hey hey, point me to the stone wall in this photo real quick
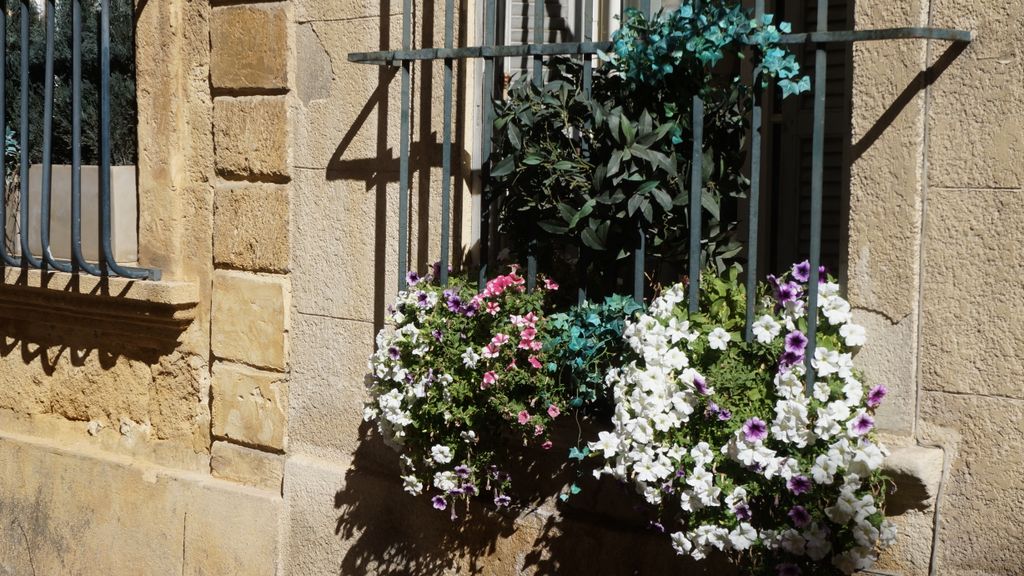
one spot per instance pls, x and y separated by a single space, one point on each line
935 270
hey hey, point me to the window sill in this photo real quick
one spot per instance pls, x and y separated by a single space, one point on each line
147 314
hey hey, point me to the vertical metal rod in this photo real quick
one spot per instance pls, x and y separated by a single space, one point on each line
485 141
639 259
588 82
26 253
645 7
78 259
46 185
109 264
696 211
755 191
538 80
403 150
817 169
446 145
6 258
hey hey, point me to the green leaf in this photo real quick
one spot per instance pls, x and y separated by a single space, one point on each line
663 199
552 227
563 165
591 239
583 212
504 167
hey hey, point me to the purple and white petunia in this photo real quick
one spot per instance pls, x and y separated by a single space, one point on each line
755 429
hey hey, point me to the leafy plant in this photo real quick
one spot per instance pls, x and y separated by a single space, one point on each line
726 446
585 342
595 167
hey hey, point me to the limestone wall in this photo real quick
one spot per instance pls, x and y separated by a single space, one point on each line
935 268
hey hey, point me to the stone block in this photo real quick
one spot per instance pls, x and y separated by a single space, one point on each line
75 511
980 528
973 329
917 472
250 227
250 318
247 466
250 136
890 358
250 406
249 47
327 388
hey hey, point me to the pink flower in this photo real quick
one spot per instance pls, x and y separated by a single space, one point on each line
530 318
553 411
517 320
525 344
546 445
536 346
499 339
538 430
490 378
493 308
550 284
524 417
490 351
512 364
534 362
528 333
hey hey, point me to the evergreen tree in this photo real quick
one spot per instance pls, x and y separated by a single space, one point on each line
122 80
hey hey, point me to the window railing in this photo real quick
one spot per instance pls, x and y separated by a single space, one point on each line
491 54
104 263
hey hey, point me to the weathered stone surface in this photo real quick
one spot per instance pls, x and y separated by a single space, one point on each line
81 512
247 466
890 357
251 137
250 47
250 227
250 318
973 338
917 472
980 531
976 130
250 406
328 388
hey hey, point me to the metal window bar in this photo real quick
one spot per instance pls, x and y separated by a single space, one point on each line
586 49
107 265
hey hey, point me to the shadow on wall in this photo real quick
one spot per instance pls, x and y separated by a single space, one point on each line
600 531
46 322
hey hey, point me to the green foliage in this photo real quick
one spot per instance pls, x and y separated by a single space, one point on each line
592 167
122 81
585 342
11 152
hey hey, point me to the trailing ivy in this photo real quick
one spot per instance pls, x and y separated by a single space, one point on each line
591 168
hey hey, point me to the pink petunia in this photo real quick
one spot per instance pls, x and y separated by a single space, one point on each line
490 378
553 411
536 345
493 308
550 284
534 362
490 351
499 339
524 417
528 333
538 430
546 445
530 318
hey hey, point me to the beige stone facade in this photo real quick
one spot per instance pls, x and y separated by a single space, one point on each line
211 422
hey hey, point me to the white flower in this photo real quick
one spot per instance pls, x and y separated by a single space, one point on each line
681 543
441 454
412 485
855 334
821 391
836 309
718 339
793 542
886 534
470 358
446 481
743 536
766 329
607 443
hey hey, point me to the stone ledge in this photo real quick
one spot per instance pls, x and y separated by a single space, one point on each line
917 473
145 313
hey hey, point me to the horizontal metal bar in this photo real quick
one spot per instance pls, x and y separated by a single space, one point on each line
845 36
389 57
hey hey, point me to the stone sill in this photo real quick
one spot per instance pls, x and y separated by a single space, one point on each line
150 314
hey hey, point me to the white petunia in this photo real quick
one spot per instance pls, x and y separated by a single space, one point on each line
854 334
607 443
412 485
718 339
766 329
470 358
743 536
441 454
681 544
